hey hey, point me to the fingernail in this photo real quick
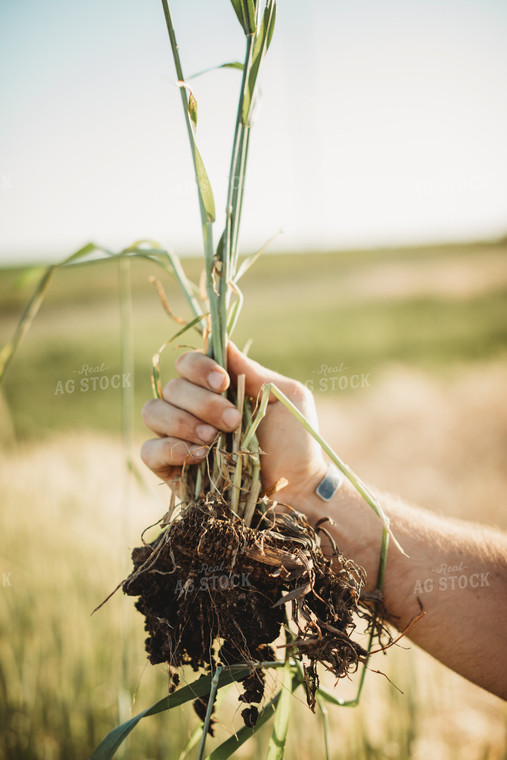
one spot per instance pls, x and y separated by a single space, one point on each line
206 433
198 452
231 418
217 380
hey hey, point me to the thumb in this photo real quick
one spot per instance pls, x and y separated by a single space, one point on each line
256 375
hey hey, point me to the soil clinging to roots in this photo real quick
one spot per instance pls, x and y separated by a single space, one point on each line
214 591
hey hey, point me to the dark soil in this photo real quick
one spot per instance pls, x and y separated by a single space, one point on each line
214 591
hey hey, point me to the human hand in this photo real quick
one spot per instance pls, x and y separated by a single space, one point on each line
192 411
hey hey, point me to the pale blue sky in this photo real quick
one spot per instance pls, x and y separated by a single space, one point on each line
380 123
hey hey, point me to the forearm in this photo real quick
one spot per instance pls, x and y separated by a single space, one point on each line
458 572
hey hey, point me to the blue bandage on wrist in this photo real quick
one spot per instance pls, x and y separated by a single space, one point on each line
330 483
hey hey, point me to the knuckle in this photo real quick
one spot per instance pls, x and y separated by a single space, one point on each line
145 453
185 360
175 452
180 362
213 407
170 388
299 391
147 410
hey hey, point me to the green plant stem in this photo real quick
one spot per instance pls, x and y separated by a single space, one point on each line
127 358
26 320
245 143
376 609
239 157
183 95
276 747
184 283
209 710
217 345
233 211
325 721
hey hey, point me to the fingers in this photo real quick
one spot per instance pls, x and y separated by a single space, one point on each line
199 369
167 420
188 417
192 411
205 372
165 456
205 405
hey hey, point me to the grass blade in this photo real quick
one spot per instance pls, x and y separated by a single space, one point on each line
238 8
26 320
204 185
199 688
229 65
83 257
260 48
245 11
84 253
276 748
155 372
229 747
325 721
249 260
194 738
209 710
206 201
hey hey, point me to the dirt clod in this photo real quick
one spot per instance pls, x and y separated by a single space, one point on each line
214 591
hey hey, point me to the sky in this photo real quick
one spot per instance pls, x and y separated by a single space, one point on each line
379 124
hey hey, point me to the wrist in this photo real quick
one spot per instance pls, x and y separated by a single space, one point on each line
300 495
354 527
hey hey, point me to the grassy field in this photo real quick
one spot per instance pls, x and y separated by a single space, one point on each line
426 331
427 308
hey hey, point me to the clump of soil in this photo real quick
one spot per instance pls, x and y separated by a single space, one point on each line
213 591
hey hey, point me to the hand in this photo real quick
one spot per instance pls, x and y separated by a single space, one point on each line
193 410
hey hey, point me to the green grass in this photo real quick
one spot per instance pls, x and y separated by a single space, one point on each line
299 317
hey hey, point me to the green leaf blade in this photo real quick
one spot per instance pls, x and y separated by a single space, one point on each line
192 109
262 42
229 747
229 65
198 688
276 748
238 9
204 184
245 11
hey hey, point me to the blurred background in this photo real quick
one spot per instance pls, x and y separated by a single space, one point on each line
379 150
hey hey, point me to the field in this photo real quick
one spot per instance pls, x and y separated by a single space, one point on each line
406 352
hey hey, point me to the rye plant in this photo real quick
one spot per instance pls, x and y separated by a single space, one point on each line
227 486
219 509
